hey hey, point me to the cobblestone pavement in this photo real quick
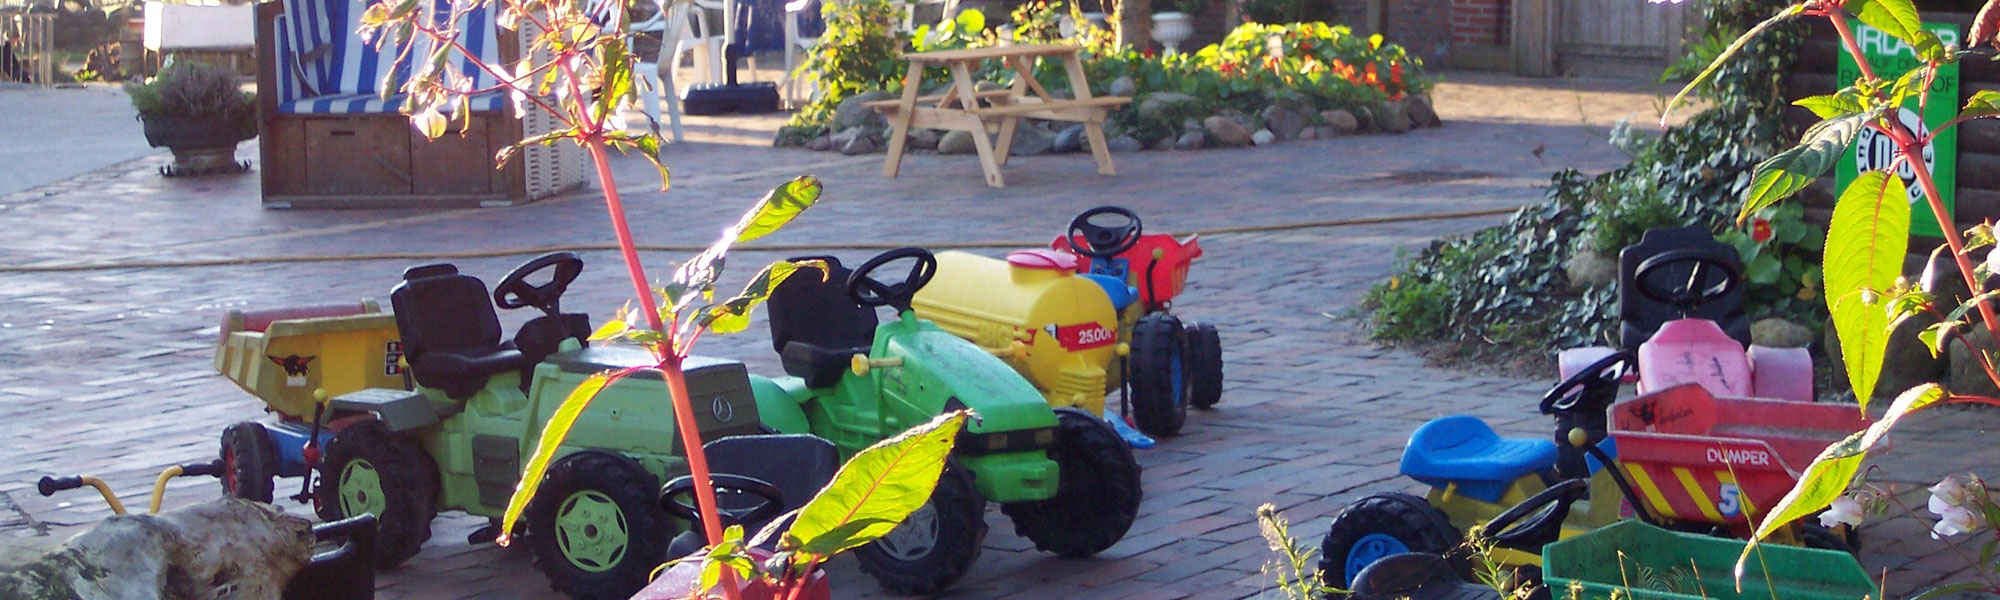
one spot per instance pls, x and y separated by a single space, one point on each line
108 371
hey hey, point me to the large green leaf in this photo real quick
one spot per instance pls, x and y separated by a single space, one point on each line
1785 174
1898 18
545 449
1983 103
1830 473
1827 106
1728 53
875 490
1865 243
734 315
777 208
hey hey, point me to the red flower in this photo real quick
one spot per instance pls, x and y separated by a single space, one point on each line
1760 230
1396 73
1306 46
1148 53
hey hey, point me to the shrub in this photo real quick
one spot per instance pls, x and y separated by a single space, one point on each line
192 90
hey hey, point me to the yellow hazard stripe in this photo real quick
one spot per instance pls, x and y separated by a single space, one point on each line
1651 491
1748 510
1701 499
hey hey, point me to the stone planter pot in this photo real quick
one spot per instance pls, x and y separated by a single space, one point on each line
1172 28
206 145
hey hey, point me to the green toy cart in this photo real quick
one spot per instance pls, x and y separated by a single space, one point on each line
1644 562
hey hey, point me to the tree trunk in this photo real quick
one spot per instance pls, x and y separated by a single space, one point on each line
194 552
1135 24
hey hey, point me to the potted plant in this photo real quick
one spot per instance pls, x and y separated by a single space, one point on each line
1173 21
199 112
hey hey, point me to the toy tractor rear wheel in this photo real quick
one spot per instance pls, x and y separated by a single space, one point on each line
1159 375
595 527
1098 494
936 545
1204 365
368 469
249 461
1380 526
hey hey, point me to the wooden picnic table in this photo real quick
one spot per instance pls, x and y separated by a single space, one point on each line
962 107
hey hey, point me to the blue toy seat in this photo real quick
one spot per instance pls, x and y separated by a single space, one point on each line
1121 295
1462 449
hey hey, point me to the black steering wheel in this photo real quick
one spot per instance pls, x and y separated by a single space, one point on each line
1607 370
514 291
1101 241
1549 508
1694 291
677 498
871 292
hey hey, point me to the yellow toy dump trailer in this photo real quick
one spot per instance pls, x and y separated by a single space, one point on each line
1035 312
283 356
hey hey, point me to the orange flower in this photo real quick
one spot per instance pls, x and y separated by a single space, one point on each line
1306 46
1396 73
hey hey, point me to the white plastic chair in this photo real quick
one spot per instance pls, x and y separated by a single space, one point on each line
675 40
708 55
796 48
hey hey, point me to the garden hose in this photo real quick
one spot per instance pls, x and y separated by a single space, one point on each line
257 260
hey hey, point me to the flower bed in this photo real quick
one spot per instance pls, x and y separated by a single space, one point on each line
1261 84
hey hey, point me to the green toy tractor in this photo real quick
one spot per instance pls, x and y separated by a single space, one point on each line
1064 477
479 404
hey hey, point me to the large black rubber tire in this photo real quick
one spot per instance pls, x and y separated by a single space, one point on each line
1204 365
249 461
600 477
409 490
1814 535
1414 523
960 516
1160 403
1096 498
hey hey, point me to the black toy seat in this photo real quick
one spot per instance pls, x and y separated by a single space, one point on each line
816 327
798 465
451 335
1640 316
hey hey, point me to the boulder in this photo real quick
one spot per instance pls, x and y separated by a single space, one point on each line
1123 86
1157 104
227 548
926 139
1780 333
1422 114
1166 142
820 144
1341 121
857 140
852 113
1393 117
1309 133
1070 139
1029 141
956 142
1906 361
1226 132
1190 125
1124 143
1190 140
1263 136
1284 123
1327 132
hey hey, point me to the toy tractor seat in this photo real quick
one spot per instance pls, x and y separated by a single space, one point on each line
794 467
1121 295
1462 449
451 334
816 328
1641 316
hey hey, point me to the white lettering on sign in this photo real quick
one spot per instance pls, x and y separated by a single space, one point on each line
1875 41
1874 151
1735 456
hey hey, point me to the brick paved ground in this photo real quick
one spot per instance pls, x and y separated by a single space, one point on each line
108 371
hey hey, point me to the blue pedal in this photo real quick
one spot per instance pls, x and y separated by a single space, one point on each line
1132 436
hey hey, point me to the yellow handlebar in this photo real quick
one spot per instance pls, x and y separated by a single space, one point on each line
105 491
160 488
861 364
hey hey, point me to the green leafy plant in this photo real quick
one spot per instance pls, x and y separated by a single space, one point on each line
1625 210
873 492
1187 7
1289 11
861 50
1407 312
192 90
1694 57
1294 570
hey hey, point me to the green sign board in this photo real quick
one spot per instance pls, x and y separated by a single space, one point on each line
1891 58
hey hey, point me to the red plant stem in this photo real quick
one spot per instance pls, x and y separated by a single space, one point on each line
1839 20
676 380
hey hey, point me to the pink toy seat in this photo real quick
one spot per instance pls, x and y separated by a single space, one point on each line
1042 260
1694 351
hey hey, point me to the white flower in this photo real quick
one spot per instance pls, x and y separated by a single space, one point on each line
1947 494
1993 262
1954 521
1844 511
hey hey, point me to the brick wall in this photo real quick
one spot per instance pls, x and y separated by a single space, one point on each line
1424 27
1479 21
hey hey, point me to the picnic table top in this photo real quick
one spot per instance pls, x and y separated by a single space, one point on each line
1022 50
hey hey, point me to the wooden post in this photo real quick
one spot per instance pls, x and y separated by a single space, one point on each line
1135 23
1534 37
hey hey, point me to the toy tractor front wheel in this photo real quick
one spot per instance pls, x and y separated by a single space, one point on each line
368 469
1204 365
1159 377
249 461
935 545
1096 498
1381 526
595 528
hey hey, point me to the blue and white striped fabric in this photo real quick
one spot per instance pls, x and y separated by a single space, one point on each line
348 76
287 77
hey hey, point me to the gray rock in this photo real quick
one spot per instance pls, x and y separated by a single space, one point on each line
1240 118
1263 136
1191 140
1906 361
1124 143
1588 269
852 113
1226 132
1309 133
1062 94
1284 123
1070 139
1341 121
1190 125
858 140
987 86
1164 143
926 139
1421 113
1964 374
955 142
1327 132
1780 333
1157 103
1123 86
1393 117
226 548
1029 141
820 144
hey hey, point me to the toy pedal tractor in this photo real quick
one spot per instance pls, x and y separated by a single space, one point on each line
1143 295
1063 476
479 403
